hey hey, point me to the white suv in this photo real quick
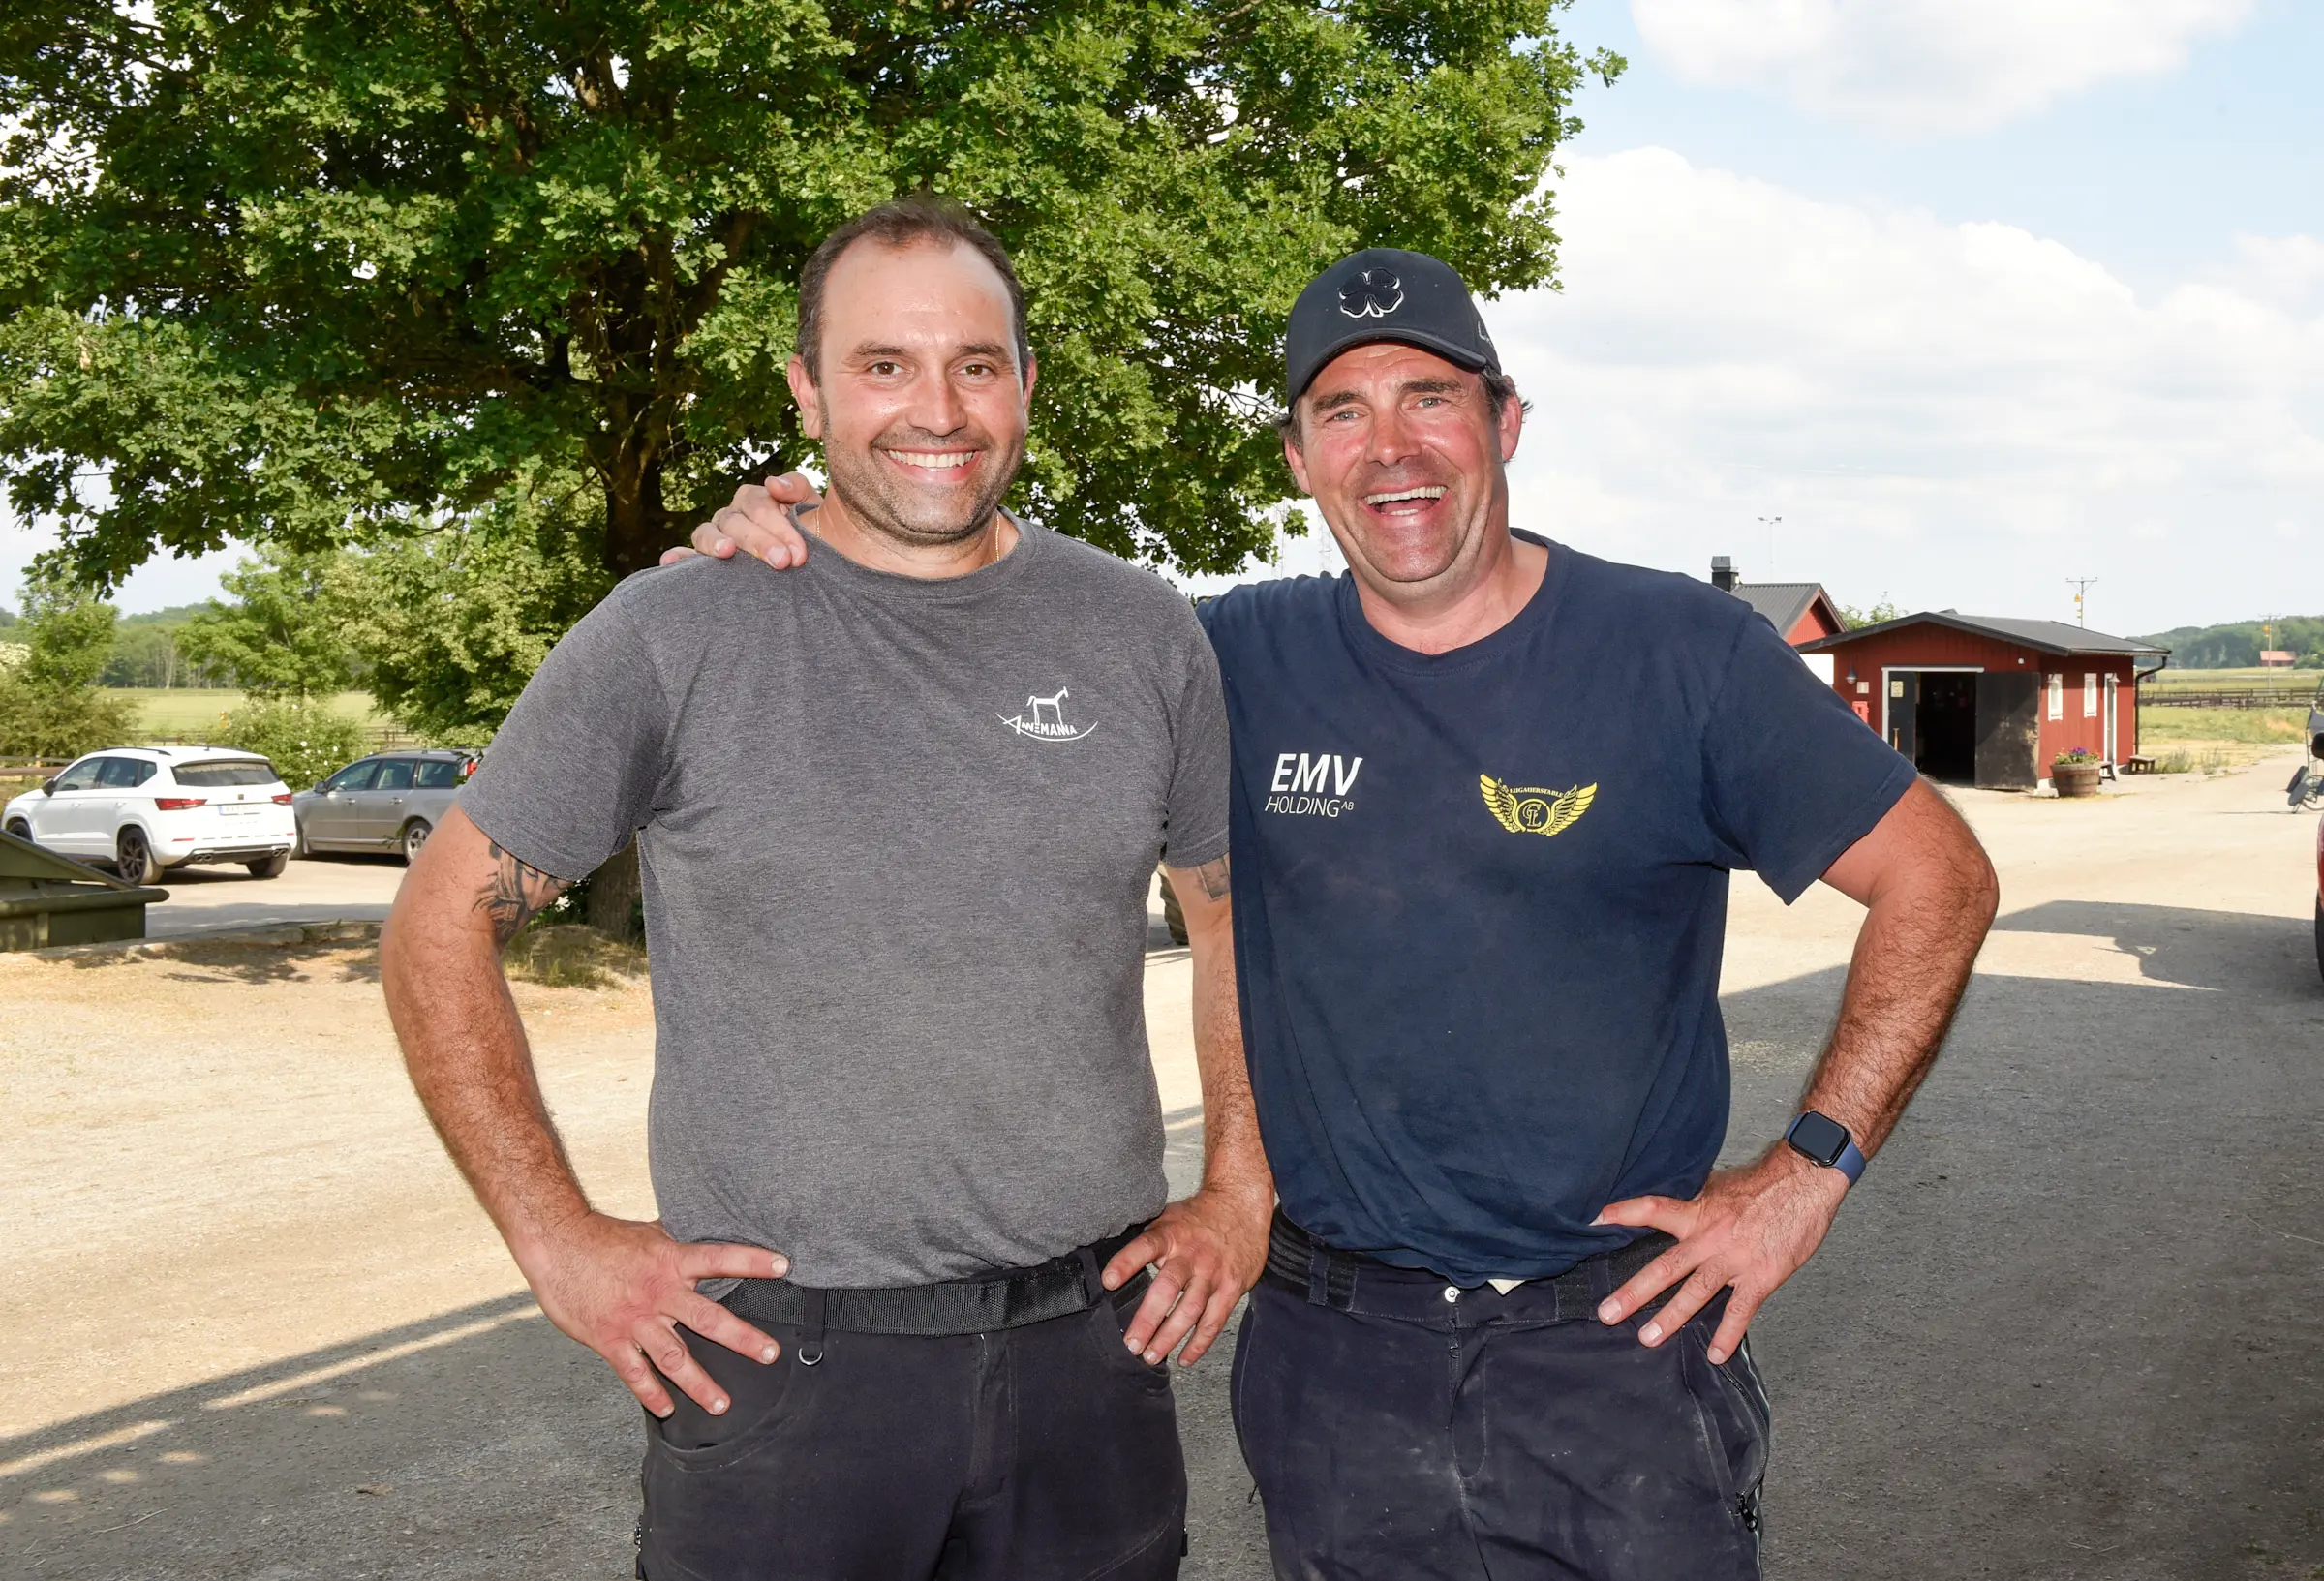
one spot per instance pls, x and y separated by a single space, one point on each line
143 808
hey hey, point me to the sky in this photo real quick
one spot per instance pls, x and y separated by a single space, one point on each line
1974 295
1941 302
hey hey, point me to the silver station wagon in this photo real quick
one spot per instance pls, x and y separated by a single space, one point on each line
389 802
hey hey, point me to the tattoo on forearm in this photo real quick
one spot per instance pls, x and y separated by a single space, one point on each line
514 894
1214 874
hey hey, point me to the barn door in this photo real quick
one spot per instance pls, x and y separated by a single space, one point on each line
1904 710
2006 729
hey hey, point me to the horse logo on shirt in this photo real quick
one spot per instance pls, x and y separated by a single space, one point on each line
1044 719
1535 809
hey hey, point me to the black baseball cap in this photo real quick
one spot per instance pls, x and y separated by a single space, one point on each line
1384 293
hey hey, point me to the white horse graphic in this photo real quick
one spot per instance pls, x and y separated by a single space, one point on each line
1055 705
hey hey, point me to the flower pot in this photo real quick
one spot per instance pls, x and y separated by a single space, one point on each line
2075 779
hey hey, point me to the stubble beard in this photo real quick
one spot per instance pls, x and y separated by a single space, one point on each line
1403 574
880 503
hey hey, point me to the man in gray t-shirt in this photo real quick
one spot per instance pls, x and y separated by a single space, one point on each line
904 1134
896 837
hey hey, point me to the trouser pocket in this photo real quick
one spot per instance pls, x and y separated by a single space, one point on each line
1731 1400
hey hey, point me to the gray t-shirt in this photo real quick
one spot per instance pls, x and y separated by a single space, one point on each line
895 837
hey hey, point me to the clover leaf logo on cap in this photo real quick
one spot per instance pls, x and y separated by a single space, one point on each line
1375 294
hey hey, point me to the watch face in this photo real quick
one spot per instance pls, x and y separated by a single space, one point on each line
1819 1136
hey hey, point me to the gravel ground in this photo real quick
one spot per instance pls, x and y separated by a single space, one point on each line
2067 1328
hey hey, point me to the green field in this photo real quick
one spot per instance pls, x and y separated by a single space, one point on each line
2293 683
2186 740
190 711
2253 726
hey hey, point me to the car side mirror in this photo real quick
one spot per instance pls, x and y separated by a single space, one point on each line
48 786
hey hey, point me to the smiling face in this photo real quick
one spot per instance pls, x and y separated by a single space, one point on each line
1404 456
921 407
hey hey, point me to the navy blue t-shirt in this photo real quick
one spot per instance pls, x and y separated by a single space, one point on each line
1481 898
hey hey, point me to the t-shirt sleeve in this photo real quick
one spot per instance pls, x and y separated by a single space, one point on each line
573 773
1791 777
1195 819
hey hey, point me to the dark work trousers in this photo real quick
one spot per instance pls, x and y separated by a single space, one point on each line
1426 1433
1042 1454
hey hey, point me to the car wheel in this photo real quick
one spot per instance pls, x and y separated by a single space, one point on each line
415 836
19 828
133 858
271 867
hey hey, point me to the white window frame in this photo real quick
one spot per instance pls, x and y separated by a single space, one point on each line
2090 694
2056 686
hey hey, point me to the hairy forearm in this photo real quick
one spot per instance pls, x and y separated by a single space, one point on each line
1913 960
1232 1156
464 1044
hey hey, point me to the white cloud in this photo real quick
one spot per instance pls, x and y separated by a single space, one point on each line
1926 66
1960 414
2285 270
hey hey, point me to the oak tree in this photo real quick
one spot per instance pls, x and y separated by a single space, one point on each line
316 274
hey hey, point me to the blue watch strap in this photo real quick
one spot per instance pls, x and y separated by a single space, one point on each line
1851 1161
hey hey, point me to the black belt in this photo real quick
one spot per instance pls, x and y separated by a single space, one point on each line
1004 1299
1326 1275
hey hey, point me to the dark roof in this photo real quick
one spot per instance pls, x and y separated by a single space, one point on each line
1782 602
2048 636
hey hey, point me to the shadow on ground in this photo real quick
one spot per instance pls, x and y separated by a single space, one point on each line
195 959
2066 1329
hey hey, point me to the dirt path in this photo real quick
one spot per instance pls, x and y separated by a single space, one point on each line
256 1327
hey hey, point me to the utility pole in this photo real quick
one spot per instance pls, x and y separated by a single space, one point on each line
2081 584
1771 522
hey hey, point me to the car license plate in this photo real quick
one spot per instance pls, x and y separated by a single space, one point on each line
240 810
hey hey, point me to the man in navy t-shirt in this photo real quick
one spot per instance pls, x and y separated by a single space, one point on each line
1483 893
1488 792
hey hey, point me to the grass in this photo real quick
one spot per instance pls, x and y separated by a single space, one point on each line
2206 740
2254 726
2297 682
189 711
572 955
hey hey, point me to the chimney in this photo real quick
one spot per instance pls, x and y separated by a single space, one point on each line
1722 573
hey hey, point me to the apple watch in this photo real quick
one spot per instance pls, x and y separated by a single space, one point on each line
1825 1142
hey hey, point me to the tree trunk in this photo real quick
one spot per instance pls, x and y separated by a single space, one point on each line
616 895
637 529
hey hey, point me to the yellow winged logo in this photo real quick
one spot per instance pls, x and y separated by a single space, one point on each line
1535 809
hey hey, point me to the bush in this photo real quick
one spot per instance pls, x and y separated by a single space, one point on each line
50 704
301 737
49 721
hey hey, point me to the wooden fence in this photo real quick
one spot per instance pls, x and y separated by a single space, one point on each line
2238 697
383 737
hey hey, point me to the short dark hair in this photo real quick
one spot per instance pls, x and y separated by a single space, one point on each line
1499 392
899 223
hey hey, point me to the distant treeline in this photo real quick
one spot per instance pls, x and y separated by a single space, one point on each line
2238 646
145 650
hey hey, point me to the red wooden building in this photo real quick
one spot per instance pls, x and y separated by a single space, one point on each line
1986 701
1802 611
